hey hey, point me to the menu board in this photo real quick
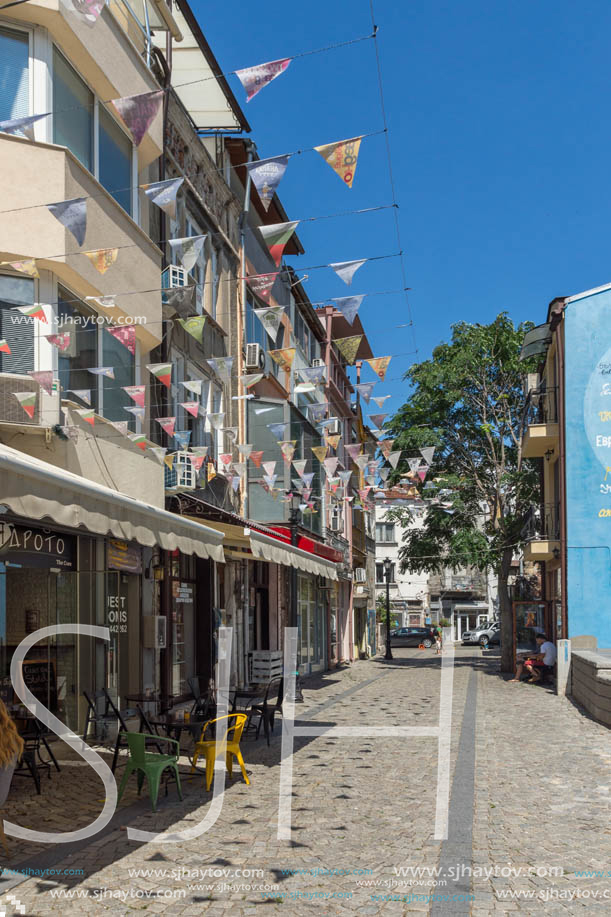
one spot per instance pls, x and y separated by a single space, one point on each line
39 677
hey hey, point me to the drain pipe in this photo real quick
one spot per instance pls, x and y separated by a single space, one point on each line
251 149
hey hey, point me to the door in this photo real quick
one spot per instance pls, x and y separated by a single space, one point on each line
529 619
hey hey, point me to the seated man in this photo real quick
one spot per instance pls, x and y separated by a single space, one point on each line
540 664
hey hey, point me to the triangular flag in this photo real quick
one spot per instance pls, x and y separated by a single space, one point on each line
211 471
163 193
365 389
386 447
427 454
332 439
27 400
345 476
384 472
107 371
266 175
299 466
182 437
121 425
162 372
379 365
245 449
73 215
380 401
44 379
414 462
136 392
188 250
276 237
61 341
288 450
393 458
138 439
88 11
167 424
222 366
284 357
349 346
315 374
342 156
239 468
255 458
231 433
330 465
179 300
22 125
87 415
349 306
126 335
194 385
136 410
35 311
4 346
361 461
262 284
216 420
363 493
191 407
353 449
103 258
320 452
83 393
27 266
194 326
422 472
251 379
317 412
138 112
307 478
270 318
269 467
159 451
226 459
270 479
254 79
377 419
346 270
169 460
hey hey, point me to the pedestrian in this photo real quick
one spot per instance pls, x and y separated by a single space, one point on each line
438 640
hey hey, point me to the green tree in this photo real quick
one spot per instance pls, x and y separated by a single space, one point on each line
468 402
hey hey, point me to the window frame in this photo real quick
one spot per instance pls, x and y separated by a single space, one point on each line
29 32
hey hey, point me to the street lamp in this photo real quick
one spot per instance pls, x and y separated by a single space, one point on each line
387 572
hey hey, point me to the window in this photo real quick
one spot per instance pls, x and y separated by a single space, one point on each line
115 156
115 400
380 575
82 354
73 104
198 272
14 74
385 532
19 335
256 334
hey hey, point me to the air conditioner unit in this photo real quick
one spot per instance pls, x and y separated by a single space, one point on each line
46 408
255 357
334 426
154 632
337 523
317 363
360 575
182 474
174 276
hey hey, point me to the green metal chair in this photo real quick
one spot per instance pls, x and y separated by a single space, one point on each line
149 765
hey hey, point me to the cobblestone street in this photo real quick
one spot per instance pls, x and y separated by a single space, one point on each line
529 784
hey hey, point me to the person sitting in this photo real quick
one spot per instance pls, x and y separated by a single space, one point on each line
538 665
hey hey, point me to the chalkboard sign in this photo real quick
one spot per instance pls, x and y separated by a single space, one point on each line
39 676
6 689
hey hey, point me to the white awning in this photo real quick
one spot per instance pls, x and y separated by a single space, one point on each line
277 552
37 490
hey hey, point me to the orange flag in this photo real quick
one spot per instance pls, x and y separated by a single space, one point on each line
379 365
342 156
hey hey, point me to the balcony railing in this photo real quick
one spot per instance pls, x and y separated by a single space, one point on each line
542 523
541 406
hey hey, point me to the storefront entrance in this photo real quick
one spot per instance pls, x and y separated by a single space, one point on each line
530 619
311 626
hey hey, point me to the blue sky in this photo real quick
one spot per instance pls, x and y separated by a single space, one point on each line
501 143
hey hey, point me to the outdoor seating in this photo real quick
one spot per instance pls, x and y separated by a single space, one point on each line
228 745
31 762
148 764
104 719
203 699
268 709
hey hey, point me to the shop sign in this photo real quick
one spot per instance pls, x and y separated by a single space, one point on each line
182 593
32 547
116 614
120 555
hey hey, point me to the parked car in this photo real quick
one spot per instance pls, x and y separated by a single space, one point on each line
411 636
485 635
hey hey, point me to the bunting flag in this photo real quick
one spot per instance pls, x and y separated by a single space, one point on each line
256 457
194 326
61 341
231 433
361 461
349 306
330 464
87 10
73 215
344 476
225 459
137 411
182 437
188 250
235 483
179 298
216 421
194 385
251 379
414 462
348 347
163 193
283 357
365 389
314 374
353 450
138 439
380 401
270 479
197 461
107 371
307 478
245 449
346 270
167 424
4 347
266 175
136 392
44 379
277 429
384 472
103 258
262 284
269 467
126 335
379 365
83 393
316 412
21 125
211 473
191 407
342 156
27 400
386 447
288 450
378 419
303 387
332 439
270 318
427 454
27 266
240 468
169 460
364 494
162 372
320 452
87 415
299 466
393 458
276 236
107 302
138 112
254 79
222 366
35 311
121 425
422 472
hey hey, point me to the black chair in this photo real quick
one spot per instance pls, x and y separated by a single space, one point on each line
203 700
150 729
31 761
105 719
268 709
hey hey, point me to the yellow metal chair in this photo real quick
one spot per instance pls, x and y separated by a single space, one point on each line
229 745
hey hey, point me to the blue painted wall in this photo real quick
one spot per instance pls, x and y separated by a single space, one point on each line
588 465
